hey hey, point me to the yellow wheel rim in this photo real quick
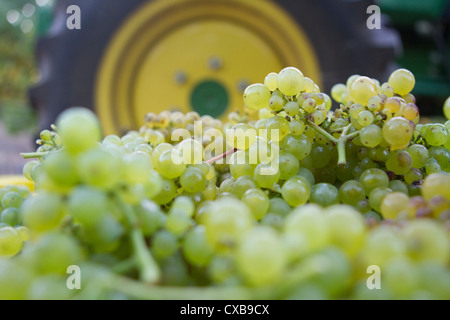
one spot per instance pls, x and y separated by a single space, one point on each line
169 53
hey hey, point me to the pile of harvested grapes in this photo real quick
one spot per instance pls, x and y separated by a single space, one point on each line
304 202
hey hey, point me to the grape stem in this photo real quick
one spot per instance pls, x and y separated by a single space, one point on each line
149 270
222 156
343 139
32 155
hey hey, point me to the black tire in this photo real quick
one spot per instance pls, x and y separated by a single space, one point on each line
69 59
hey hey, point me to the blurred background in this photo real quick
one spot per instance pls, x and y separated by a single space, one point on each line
136 56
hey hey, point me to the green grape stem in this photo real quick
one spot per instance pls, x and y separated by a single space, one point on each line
149 270
343 139
33 155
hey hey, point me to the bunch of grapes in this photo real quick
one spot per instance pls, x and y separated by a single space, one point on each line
294 205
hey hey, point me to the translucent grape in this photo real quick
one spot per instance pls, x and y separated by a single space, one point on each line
324 194
371 136
398 131
295 192
435 134
193 180
399 162
419 155
362 89
436 184
393 204
196 248
374 178
260 257
402 81
42 212
351 192
256 96
10 242
288 165
257 201
290 81
271 81
337 91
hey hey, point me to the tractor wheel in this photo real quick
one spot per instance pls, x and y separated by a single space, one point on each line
136 56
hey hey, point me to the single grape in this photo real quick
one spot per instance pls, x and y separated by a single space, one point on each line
436 184
295 192
371 136
393 204
399 162
290 81
398 131
435 134
271 81
257 201
196 248
419 155
351 192
402 81
324 194
374 178
362 89
10 242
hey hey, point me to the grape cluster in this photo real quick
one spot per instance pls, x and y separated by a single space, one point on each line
12 231
296 204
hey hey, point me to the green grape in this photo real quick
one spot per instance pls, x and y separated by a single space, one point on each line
221 268
375 103
260 257
351 192
426 240
309 105
61 168
399 162
60 251
113 139
436 184
28 167
193 180
239 165
271 81
10 242
150 217
227 221
310 222
79 129
256 96
243 137
210 192
279 207
398 131
137 168
11 199
11 216
435 134
159 149
196 248
351 79
257 201
337 91
242 184
290 81
272 220
295 192
288 165
345 172
277 128
412 175
49 287
296 128
374 178
266 176
144 147
365 118
276 103
367 163
104 236
419 155
185 204
376 197
402 81
393 204
292 108
362 89
227 185
324 194
442 156
434 278
15 279
318 117
321 155
382 245
167 192
87 205
300 146
398 186
42 212
347 229
363 206
446 108
100 168
167 167
371 136
153 185
164 244
178 221
307 175
432 166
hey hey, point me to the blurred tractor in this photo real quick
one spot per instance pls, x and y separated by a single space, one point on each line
136 56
